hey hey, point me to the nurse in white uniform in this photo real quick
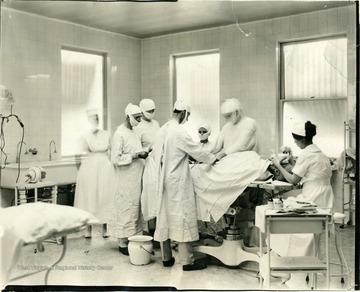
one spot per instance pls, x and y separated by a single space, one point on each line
313 170
92 192
127 156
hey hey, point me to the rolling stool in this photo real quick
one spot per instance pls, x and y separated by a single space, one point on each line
339 217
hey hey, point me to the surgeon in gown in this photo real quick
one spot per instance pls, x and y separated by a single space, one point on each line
239 133
127 156
146 131
313 170
148 127
176 206
92 191
239 164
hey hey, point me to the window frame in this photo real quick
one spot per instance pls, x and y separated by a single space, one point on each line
104 116
281 100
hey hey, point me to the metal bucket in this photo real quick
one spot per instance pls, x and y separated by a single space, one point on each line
140 249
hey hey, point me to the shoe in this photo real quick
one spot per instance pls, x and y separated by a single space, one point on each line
196 265
169 263
156 245
104 231
124 250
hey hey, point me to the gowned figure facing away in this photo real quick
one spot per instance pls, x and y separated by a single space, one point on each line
176 207
238 134
92 192
127 157
313 170
148 127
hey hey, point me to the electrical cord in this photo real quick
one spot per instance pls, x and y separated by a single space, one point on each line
3 143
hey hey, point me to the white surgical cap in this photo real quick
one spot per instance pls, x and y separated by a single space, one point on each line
132 109
147 105
230 105
299 129
205 126
180 106
92 112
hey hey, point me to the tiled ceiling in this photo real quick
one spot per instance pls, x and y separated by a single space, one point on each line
145 18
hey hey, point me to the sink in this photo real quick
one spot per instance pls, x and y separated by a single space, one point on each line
62 172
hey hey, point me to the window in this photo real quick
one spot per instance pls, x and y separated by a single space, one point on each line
314 88
197 84
82 89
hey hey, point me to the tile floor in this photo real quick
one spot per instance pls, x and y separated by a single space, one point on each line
97 262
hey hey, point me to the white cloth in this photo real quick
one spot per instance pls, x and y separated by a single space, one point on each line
92 192
238 137
315 169
218 186
146 131
127 182
176 209
31 223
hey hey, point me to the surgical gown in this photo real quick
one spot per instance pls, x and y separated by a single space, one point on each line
315 169
127 182
176 206
146 131
238 137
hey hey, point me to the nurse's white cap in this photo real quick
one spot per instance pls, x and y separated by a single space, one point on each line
147 104
299 129
132 109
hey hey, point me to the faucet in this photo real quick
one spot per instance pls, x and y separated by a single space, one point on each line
52 142
18 154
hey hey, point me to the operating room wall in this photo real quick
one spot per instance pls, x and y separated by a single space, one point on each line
31 69
248 62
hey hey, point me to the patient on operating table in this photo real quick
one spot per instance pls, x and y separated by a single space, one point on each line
287 163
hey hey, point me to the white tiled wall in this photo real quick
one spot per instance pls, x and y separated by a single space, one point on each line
248 62
31 68
31 45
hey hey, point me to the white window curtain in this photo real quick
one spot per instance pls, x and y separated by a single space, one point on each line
197 84
315 69
314 79
82 89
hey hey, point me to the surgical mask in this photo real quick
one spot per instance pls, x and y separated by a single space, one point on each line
204 136
133 121
148 115
233 118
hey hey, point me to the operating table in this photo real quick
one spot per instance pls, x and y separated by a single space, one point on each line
232 251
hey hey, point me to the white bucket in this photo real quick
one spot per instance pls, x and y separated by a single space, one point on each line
140 249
